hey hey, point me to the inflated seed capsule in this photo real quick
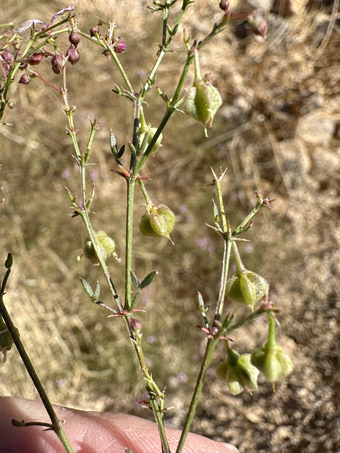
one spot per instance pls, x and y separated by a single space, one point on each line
248 288
158 223
168 216
158 143
106 246
202 101
145 226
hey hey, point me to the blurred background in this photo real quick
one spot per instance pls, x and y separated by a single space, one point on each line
278 131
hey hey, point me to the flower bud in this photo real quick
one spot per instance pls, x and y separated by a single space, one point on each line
105 244
120 46
202 102
247 288
57 63
35 59
74 38
72 54
7 56
25 79
94 31
224 5
135 324
239 373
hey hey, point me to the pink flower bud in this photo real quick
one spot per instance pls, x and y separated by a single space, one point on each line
72 54
57 63
35 59
74 38
7 56
94 31
120 46
25 79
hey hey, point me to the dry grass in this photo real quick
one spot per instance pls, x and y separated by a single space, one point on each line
277 94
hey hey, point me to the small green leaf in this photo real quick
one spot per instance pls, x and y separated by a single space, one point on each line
87 287
148 279
97 291
121 151
134 300
134 279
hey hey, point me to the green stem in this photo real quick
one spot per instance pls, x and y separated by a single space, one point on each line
145 194
197 392
56 426
246 221
224 278
244 322
271 342
240 268
165 23
197 68
129 236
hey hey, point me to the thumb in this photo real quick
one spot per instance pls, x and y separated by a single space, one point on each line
90 432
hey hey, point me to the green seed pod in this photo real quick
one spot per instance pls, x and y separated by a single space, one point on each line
271 359
274 363
145 226
160 222
202 102
146 135
106 246
239 373
168 216
158 143
247 288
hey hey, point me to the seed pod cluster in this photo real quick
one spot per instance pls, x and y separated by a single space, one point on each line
105 244
158 222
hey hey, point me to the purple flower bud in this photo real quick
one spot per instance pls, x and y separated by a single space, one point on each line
25 79
74 38
35 59
57 63
120 46
135 324
72 54
94 31
224 5
7 56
